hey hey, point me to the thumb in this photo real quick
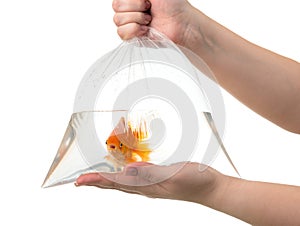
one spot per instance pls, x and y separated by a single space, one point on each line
132 169
148 174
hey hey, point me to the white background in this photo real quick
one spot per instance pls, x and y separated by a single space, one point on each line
46 47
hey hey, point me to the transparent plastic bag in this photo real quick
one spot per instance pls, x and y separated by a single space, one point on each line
144 101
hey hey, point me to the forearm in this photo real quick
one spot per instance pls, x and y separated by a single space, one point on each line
264 81
257 203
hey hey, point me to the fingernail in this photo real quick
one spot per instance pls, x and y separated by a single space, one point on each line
148 18
131 171
78 184
148 4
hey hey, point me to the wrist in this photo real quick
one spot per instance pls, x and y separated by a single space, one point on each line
198 33
229 197
221 191
211 192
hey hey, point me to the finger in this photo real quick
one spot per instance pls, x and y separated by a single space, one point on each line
132 17
134 175
119 188
89 179
95 179
154 174
131 30
132 170
117 181
131 5
144 181
127 181
140 164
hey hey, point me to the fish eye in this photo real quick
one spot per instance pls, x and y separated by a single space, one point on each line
121 145
106 142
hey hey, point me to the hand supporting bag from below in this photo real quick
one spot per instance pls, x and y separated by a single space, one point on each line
143 101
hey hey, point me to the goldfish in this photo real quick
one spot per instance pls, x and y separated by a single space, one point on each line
126 144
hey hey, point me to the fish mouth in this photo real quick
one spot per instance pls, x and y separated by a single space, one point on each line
112 148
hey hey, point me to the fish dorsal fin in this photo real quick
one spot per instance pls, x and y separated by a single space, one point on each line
125 134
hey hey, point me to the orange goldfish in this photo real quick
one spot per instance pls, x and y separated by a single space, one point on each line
125 144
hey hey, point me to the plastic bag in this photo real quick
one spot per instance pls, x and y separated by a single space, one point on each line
144 101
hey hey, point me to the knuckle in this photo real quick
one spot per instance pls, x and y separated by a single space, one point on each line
116 5
132 5
128 31
146 174
116 185
120 33
116 19
142 4
116 182
140 17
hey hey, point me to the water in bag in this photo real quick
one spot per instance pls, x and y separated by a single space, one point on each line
144 101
